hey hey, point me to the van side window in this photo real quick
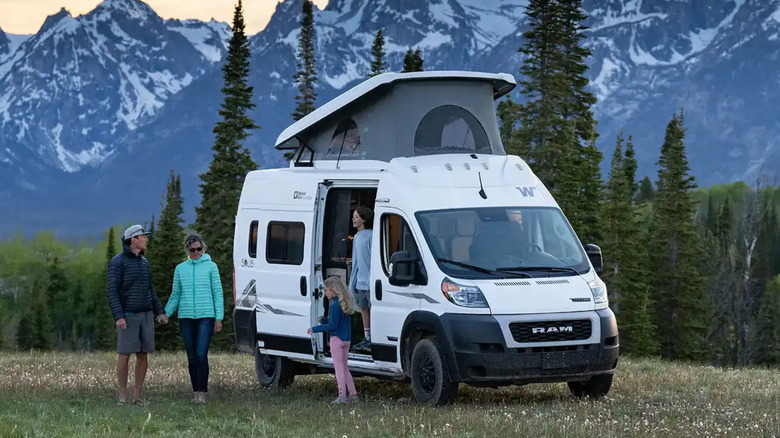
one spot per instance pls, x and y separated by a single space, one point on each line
253 239
396 236
284 244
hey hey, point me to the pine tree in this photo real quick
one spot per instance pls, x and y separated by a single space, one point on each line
57 300
768 332
675 251
412 61
378 64
104 329
42 326
646 191
508 115
557 127
624 264
24 332
222 183
165 253
307 72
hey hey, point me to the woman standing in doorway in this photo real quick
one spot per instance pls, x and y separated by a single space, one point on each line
197 295
360 278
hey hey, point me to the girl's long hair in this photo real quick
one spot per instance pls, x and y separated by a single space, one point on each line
346 302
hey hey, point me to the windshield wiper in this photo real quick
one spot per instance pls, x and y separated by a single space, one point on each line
539 268
480 268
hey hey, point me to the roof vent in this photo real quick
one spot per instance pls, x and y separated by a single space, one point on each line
485 166
448 166
519 167
466 165
414 169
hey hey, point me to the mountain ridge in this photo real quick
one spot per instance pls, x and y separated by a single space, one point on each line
650 59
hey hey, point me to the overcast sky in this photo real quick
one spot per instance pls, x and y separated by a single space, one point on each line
27 16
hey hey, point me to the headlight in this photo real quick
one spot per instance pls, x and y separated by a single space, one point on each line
599 291
464 296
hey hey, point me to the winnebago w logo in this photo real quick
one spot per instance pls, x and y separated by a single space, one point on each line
526 191
561 329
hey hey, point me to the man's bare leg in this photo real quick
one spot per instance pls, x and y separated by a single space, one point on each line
141 365
122 361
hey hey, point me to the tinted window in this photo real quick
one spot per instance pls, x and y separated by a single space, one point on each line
285 243
450 129
502 238
396 236
253 239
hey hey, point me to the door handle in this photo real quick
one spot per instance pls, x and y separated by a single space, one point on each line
304 287
378 290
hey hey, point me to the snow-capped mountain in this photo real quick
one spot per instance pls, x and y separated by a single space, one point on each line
716 59
9 43
70 91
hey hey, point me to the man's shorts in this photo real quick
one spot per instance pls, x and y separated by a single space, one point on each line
362 298
138 336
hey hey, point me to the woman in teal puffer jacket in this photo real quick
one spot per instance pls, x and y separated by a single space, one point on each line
197 295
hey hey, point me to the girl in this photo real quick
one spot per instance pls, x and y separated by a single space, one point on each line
360 278
338 325
197 295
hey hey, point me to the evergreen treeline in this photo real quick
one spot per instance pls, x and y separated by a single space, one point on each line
692 273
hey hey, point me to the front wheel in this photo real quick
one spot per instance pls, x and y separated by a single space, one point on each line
596 387
430 376
273 371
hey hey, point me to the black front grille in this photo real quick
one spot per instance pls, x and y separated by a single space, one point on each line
551 331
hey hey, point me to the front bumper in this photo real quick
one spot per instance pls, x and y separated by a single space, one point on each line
479 353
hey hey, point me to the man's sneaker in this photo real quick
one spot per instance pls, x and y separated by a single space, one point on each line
338 401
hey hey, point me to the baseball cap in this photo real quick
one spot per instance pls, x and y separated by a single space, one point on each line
134 231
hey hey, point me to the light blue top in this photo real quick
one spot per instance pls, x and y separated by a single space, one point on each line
360 278
197 290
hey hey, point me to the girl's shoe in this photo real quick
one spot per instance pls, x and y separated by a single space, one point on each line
339 401
353 398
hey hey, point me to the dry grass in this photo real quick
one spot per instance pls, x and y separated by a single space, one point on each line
73 395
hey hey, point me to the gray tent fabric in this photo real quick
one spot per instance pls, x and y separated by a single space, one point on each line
409 119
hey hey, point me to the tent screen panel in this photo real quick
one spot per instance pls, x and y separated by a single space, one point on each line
450 129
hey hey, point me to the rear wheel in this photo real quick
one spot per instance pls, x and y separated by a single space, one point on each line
430 376
596 387
273 371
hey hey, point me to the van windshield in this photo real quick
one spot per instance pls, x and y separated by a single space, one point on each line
503 242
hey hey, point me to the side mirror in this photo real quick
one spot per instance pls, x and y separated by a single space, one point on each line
594 254
403 269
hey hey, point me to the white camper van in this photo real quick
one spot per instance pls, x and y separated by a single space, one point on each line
476 275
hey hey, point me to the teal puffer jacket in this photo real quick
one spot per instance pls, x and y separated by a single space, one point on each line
197 290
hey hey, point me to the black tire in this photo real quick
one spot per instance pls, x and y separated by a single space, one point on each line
596 387
430 377
273 371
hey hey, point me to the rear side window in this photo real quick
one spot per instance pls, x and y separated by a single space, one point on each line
253 239
285 243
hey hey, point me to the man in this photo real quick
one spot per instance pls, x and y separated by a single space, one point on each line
135 307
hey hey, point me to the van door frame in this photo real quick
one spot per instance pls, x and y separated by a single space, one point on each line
318 274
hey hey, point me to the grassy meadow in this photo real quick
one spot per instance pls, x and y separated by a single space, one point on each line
67 394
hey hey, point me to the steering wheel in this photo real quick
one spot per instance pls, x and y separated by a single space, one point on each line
531 247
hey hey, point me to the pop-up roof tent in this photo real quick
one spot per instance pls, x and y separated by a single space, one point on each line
403 115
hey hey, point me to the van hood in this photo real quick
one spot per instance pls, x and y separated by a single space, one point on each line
537 295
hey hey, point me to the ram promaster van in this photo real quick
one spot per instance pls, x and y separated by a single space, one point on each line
476 275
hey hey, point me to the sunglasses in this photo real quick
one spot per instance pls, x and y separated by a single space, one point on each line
198 249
